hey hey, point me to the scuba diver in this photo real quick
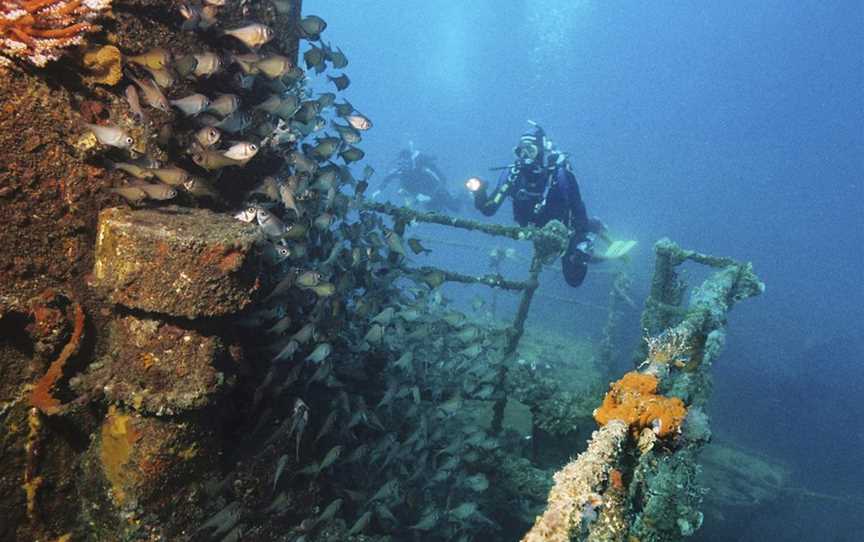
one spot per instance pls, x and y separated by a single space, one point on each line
420 178
543 188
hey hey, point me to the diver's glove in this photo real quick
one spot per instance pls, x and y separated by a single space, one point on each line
477 187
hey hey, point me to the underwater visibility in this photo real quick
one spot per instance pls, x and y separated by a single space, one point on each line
325 271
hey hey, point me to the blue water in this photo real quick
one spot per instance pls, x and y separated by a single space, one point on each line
734 128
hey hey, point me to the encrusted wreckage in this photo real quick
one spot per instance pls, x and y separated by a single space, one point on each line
644 487
38 31
151 387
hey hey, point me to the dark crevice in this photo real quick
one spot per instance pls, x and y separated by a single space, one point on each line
13 332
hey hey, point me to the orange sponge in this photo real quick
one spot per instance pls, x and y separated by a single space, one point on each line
634 400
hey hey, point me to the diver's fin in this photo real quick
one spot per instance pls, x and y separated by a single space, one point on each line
619 249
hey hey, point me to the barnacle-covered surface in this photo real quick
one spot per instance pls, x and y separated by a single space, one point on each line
157 368
53 182
176 261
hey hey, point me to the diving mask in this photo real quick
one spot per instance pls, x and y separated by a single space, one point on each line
526 151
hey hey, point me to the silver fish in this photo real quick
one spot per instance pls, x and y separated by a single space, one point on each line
325 179
134 103
282 107
394 242
157 58
343 109
286 195
224 104
274 66
329 512
111 135
210 159
468 334
464 510
326 99
253 35
359 122
472 352
300 418
323 221
132 169
271 104
302 163
242 151
158 191
304 334
152 94
234 123
269 223
191 105
384 316
207 64
341 82
171 175
195 16
331 457
247 215
347 133
280 467
478 482
131 193
385 513
361 524
405 361
282 325
269 188
280 505
208 136
311 26
248 63
386 491
321 352
375 334
275 254
201 188
308 279
337 57
287 352
162 77
224 520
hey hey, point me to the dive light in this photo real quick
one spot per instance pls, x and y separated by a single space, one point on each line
473 184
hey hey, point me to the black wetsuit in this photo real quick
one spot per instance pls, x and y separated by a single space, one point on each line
419 174
541 194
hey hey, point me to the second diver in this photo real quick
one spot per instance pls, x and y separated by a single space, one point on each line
543 188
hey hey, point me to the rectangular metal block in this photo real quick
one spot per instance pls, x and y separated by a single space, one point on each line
176 261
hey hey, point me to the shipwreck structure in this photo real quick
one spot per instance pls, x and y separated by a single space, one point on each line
169 372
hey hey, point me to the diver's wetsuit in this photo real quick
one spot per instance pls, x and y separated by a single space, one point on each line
418 174
541 194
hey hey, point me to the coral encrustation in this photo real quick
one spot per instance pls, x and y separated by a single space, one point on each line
634 400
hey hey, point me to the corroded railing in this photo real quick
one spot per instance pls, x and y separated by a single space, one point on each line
596 497
548 242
